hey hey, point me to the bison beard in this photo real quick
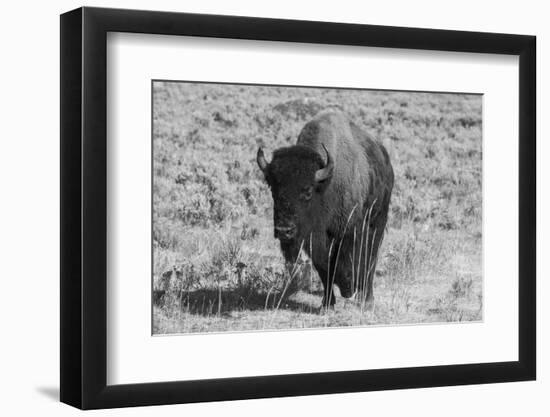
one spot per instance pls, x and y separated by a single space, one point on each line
331 194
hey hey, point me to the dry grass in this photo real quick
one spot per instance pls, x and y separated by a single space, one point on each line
216 264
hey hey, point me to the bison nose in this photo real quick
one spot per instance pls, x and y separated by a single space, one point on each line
285 232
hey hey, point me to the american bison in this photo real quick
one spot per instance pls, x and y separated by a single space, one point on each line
331 192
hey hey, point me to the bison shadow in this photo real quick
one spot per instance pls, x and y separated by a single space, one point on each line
211 301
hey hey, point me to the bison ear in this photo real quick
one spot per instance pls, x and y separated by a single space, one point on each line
324 174
260 159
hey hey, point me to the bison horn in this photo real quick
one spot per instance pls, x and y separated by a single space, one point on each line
260 159
326 172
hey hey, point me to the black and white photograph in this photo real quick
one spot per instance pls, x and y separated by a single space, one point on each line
284 207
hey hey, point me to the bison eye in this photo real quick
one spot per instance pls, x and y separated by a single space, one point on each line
307 193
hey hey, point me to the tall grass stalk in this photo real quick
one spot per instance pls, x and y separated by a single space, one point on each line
330 283
364 276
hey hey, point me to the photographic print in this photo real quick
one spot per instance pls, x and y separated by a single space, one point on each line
282 207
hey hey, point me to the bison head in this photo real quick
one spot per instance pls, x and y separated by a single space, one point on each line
297 177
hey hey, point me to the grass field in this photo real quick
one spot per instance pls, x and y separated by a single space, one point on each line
217 266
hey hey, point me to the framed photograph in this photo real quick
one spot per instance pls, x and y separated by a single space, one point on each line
256 208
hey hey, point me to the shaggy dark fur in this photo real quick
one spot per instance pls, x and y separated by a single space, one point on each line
326 217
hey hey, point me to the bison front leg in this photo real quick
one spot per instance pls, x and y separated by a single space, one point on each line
318 251
328 289
343 267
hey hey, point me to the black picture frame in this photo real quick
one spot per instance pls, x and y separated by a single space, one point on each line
84 207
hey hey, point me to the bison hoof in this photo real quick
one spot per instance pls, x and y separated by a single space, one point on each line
346 291
328 304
